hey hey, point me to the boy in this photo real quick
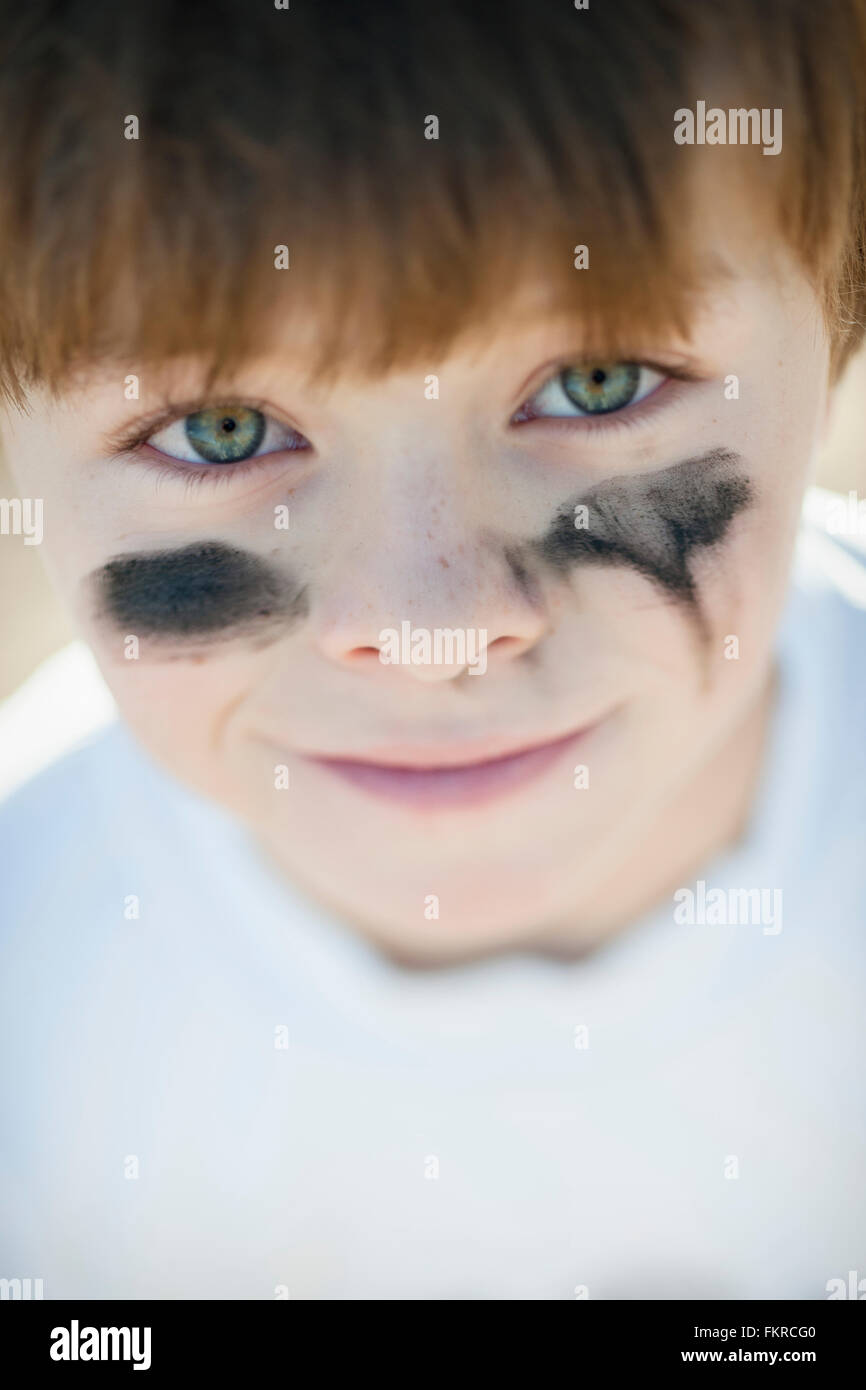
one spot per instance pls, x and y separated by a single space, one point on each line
471 902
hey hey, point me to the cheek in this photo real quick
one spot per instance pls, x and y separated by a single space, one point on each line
618 631
201 593
181 709
743 583
626 638
742 588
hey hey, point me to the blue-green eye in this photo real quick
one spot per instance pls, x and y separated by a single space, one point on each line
592 388
224 434
601 387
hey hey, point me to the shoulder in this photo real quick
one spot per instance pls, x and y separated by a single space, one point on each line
102 824
822 642
59 707
828 593
57 830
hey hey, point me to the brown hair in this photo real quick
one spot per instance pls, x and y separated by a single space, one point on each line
305 127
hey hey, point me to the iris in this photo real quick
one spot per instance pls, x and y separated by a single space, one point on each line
223 434
598 387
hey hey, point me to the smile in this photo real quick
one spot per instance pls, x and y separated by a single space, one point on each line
427 781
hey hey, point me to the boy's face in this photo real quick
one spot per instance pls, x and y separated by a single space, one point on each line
615 574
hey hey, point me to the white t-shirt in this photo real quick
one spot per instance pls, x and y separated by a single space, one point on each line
231 1095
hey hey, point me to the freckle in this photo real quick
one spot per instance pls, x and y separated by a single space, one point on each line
444 563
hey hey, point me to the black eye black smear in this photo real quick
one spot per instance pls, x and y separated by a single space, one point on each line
206 590
653 522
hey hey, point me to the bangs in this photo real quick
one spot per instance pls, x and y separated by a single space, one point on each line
282 173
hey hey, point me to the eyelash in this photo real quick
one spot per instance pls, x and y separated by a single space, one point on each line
610 422
167 469
213 475
193 478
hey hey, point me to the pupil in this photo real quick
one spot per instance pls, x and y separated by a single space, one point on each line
598 376
228 424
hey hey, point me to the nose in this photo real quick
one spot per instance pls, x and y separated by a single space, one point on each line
433 655
427 599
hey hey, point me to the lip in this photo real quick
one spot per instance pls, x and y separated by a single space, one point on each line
450 778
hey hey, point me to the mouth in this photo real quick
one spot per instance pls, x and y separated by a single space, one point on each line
428 779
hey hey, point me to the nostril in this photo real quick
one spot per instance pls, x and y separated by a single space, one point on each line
502 646
403 654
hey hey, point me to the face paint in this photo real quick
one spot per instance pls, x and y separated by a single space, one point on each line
521 573
204 591
653 522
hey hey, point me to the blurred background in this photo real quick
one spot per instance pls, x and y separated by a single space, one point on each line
34 625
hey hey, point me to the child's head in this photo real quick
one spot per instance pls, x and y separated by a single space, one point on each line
331 332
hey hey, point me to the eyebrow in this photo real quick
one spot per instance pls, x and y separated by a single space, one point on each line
713 270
